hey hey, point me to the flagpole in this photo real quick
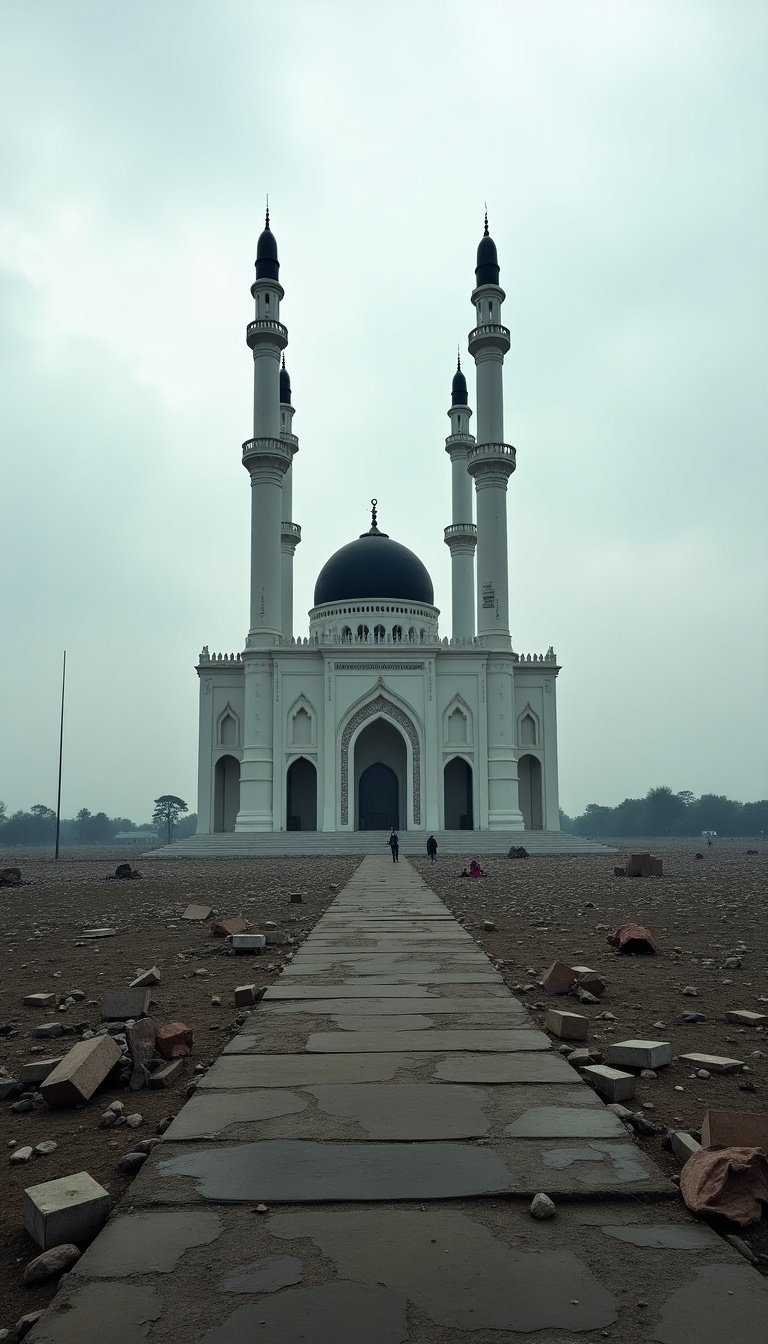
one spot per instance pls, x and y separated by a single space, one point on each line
61 753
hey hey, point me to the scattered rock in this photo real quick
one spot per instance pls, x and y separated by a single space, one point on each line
22 1154
132 1162
55 1261
542 1207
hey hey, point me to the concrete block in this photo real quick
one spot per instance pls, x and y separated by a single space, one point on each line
735 1129
713 1063
593 983
80 1072
640 1054
167 1075
744 1017
683 1145
70 1210
173 1040
295 898
120 1004
276 937
579 1059
197 912
610 1083
583 970
558 978
644 865
223 927
38 1070
245 996
568 1026
49 1030
248 942
39 1000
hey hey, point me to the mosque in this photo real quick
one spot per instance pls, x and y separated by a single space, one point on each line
372 719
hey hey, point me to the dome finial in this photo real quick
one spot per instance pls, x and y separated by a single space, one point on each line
266 219
485 226
458 360
374 518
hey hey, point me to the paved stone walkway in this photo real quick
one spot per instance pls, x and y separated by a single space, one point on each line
396 1109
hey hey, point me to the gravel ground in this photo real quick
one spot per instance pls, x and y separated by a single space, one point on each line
43 922
700 912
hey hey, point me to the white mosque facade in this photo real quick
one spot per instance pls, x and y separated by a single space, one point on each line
372 719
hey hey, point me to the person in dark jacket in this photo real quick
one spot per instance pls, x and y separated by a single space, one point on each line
394 845
432 849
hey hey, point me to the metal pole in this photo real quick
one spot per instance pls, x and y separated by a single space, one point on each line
61 752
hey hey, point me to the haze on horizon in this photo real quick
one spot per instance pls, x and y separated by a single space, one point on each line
621 150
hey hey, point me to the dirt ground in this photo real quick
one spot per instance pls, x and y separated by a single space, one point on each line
43 922
700 912
544 909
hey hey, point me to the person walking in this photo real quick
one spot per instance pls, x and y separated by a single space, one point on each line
394 845
432 849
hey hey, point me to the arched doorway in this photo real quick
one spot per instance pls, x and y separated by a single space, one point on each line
529 781
301 796
226 793
380 774
457 795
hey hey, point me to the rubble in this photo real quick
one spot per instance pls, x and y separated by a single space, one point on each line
633 940
173 1040
568 1026
644 865
71 1209
640 1054
558 978
197 912
610 1083
55 1261
247 942
120 1004
223 927
146 978
542 1207
39 1000
712 1063
81 1071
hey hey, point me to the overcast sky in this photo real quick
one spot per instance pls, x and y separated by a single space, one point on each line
621 147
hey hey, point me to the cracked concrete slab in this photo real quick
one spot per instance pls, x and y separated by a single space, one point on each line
343 1313
362 1042
143 1243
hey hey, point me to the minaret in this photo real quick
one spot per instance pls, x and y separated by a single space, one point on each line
491 461
266 458
290 532
461 536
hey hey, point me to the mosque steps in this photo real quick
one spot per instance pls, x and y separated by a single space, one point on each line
465 844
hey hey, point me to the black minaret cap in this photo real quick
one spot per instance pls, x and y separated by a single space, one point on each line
267 265
487 268
459 386
285 385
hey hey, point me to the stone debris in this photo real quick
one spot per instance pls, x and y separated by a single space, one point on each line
683 1145
295 898
132 1162
164 1076
140 1042
610 1083
173 1040
22 1154
24 1325
11 877
584 1055
542 1207
48 1031
589 980
99 933
81 1071
223 927
644 865
568 1026
133 1121
735 1129
712 1063
727 1183
55 1261
247 942
71 1209
146 978
45 1148
245 996
489 925
517 852
558 978
39 1000
633 940
745 1018
38 1070
640 1054
121 1004
198 912
691 992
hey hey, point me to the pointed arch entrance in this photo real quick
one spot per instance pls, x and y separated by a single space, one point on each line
380 708
380 775
529 792
301 795
457 795
226 793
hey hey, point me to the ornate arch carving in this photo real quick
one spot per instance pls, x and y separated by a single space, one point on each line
528 713
228 727
373 709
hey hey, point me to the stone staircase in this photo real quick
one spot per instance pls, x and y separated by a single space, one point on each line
464 844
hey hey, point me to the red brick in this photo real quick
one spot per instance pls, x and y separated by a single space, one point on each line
173 1040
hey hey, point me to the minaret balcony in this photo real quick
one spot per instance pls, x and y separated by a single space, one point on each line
290 532
266 331
489 335
459 441
292 439
461 533
491 456
269 452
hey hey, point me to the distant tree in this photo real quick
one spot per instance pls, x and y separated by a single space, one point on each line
3 812
664 811
185 826
168 809
566 822
42 812
83 820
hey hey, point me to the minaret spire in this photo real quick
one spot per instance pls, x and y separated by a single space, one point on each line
461 536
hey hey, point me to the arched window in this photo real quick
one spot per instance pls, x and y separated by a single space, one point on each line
422 634
379 634
397 634
302 728
346 635
362 632
411 636
228 730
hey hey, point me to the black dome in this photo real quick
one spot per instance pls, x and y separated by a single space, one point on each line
487 268
459 388
267 264
373 566
285 386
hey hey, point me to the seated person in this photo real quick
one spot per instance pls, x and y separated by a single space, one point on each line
475 870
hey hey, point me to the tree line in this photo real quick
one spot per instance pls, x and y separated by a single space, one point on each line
664 812
38 826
